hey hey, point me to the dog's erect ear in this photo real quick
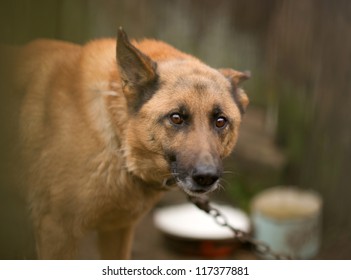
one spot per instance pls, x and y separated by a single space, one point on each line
137 70
235 78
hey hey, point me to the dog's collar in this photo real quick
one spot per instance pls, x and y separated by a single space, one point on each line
169 184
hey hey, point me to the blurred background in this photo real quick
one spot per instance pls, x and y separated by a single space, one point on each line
297 130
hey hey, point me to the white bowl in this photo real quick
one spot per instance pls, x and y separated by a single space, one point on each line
192 231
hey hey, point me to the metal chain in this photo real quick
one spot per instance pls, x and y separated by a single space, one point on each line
260 247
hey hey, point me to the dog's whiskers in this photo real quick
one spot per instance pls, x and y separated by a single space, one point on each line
224 182
220 187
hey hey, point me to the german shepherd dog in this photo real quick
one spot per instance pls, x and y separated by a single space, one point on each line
104 129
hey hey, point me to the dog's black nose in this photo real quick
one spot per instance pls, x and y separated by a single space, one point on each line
205 176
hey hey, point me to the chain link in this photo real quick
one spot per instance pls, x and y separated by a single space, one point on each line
258 246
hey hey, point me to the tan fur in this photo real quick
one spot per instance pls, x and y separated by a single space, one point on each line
92 163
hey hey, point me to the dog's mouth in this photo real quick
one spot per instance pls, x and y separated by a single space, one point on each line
193 187
195 180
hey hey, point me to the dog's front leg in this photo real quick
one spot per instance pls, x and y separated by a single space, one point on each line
54 241
116 244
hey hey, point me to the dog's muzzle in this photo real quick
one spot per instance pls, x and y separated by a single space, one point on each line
201 180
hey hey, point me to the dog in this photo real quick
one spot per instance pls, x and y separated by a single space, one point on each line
107 127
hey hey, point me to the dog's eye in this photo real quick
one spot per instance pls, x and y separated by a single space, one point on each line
176 119
221 122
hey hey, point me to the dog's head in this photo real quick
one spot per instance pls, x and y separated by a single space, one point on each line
184 116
